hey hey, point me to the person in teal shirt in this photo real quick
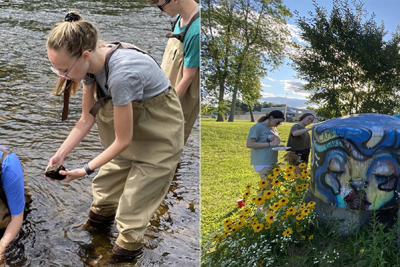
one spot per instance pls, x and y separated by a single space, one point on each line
181 59
262 137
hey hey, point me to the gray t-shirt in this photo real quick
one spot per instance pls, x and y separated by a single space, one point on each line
132 76
262 156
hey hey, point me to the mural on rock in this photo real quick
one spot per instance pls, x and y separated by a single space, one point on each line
355 161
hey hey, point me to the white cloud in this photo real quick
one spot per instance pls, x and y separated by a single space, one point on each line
265 85
266 94
295 87
269 78
291 102
295 33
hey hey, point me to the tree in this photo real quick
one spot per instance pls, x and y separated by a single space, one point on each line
233 33
348 66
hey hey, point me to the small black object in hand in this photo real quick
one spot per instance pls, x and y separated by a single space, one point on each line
53 172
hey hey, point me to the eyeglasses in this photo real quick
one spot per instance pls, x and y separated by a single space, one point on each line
65 76
163 5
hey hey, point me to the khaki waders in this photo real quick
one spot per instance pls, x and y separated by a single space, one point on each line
134 183
172 65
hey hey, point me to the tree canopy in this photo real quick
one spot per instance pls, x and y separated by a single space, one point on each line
348 65
241 41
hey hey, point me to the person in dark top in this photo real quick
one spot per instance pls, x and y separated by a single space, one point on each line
299 141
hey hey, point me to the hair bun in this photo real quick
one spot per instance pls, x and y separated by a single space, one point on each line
71 17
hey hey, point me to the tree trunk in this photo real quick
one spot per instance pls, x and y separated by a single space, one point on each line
251 114
233 105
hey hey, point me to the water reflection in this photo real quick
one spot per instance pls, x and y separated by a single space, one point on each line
30 124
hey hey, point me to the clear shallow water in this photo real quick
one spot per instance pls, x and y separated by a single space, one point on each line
30 124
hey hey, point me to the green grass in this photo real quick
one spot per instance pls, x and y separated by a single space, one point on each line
225 168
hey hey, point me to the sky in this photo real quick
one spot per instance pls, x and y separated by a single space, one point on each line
281 85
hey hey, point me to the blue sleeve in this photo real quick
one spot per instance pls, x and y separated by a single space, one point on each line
13 184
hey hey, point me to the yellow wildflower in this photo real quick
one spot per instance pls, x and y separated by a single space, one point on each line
283 201
305 211
269 193
267 226
271 176
303 237
285 191
216 238
290 168
276 183
276 206
283 218
263 183
288 232
311 237
259 200
270 218
276 170
227 222
302 165
240 224
248 186
246 210
258 227
291 210
242 216
299 216
288 176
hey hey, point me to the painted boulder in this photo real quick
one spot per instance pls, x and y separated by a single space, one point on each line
355 162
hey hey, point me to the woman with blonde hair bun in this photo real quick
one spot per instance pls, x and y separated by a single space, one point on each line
140 124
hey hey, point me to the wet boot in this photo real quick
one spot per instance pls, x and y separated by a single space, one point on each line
120 254
98 222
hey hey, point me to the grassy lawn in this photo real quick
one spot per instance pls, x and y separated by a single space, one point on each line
226 169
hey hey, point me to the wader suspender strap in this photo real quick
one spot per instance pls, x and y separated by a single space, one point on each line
2 193
103 95
181 36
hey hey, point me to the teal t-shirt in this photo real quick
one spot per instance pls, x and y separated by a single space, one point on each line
262 156
191 43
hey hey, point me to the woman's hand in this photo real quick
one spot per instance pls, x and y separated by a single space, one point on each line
275 141
54 160
2 251
73 174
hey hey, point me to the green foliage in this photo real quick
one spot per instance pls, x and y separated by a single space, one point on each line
348 66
